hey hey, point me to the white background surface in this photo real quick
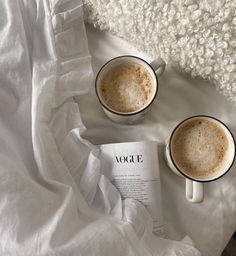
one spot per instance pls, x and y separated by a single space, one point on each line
53 198
211 223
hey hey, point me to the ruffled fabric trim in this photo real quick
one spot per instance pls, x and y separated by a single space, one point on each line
98 191
63 157
74 62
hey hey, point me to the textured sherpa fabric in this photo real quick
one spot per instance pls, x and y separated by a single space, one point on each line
198 36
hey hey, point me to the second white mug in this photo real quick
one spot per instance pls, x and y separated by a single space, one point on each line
204 140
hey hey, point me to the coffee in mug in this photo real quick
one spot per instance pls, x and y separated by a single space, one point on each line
202 149
126 87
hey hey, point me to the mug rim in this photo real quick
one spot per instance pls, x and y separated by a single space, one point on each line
128 113
173 161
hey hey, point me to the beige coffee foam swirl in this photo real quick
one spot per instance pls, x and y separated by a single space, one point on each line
199 148
127 88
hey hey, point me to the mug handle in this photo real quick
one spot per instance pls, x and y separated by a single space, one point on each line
159 66
194 191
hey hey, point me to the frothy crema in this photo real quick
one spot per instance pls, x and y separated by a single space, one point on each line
199 148
127 88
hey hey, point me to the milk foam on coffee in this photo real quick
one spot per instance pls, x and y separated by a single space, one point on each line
127 87
199 148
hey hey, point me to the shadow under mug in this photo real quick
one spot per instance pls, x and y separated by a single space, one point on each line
194 185
155 69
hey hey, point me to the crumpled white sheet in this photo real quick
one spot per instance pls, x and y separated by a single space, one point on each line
53 200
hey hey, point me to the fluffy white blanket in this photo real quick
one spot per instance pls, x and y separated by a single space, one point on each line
196 36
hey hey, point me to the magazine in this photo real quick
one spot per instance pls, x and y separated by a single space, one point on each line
133 168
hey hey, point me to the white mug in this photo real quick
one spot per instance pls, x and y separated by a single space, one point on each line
155 69
194 186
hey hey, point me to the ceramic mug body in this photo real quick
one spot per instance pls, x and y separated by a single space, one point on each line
155 70
194 185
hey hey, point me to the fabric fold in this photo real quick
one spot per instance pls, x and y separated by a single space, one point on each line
68 158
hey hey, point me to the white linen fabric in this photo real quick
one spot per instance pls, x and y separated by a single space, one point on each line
53 198
198 36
